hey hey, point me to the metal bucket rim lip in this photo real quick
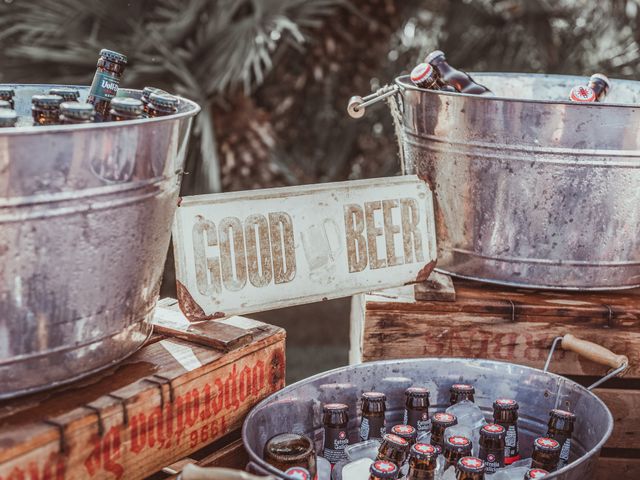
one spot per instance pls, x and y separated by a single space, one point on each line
253 456
404 82
193 110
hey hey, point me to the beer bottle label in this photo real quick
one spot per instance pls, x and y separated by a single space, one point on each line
564 453
511 447
493 459
418 420
335 441
104 86
372 428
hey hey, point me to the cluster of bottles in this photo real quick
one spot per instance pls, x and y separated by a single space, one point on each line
435 73
61 106
457 444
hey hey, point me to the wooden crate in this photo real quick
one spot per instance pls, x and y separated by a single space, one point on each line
169 399
518 326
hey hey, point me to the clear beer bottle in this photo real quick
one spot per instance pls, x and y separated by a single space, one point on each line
461 391
505 413
383 470
8 118
287 450
106 81
492 446
458 79
76 112
546 454
470 468
125 108
372 423
7 93
423 462
439 423
560 428
416 409
45 109
335 420
393 449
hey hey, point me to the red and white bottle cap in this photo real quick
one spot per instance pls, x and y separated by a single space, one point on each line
422 74
582 93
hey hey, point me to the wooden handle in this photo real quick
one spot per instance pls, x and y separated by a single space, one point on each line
193 472
593 351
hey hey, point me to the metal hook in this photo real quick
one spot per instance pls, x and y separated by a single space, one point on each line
159 385
170 383
123 404
62 446
96 410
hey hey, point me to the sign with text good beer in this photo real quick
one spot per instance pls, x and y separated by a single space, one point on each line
251 251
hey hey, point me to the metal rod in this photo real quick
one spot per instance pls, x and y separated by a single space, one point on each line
611 374
553 348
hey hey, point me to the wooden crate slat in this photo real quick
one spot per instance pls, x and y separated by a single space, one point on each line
625 407
233 455
618 468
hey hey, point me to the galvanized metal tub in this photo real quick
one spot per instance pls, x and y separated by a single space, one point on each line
298 407
85 222
530 189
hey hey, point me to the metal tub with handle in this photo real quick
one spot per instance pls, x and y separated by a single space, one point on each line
298 407
530 189
85 222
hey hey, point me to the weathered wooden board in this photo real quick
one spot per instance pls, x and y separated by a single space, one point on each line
613 468
251 251
625 407
166 401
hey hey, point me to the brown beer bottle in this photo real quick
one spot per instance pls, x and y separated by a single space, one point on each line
492 446
461 391
393 449
535 473
68 94
425 76
106 80
505 413
7 93
407 432
439 423
146 93
416 409
299 473
455 447
287 450
5 104
125 108
372 424
546 454
560 428
46 109
8 118
458 79
423 462
598 88
383 470
161 104
75 112
470 468
335 420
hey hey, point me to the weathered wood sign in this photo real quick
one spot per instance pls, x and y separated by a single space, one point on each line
251 251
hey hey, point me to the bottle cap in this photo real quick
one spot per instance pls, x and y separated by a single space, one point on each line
5 104
77 110
433 55
536 473
164 100
8 117
395 440
582 93
128 105
423 74
492 430
462 388
556 412
299 473
7 92
147 91
444 419
471 465
67 93
423 451
546 444
603 78
113 56
505 404
374 396
383 469
417 392
406 432
335 407
46 100
457 443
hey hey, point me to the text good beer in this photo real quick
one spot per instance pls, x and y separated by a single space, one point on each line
106 81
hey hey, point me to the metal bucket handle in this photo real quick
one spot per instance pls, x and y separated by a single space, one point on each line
193 472
592 351
357 105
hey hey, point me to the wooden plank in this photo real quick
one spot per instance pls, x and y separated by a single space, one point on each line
233 455
163 403
437 287
618 468
625 407
252 251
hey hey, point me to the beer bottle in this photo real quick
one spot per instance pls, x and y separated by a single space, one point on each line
505 413
161 104
560 428
146 93
5 104
458 79
7 93
76 112
423 462
68 94
424 76
106 81
8 117
393 449
407 432
383 470
492 446
439 423
46 109
535 473
287 450
416 410
461 391
372 424
546 453
470 468
299 473
335 420
598 88
455 447
125 108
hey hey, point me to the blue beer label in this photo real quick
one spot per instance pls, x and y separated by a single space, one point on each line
104 86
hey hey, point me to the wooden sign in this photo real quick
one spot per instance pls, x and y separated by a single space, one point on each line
252 251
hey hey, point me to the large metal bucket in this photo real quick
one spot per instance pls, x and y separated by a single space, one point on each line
298 407
530 189
85 222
